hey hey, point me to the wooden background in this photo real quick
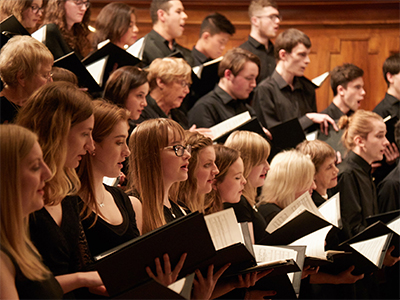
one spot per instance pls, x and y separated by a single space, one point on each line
364 33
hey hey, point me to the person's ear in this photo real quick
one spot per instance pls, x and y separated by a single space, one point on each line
389 77
205 35
228 74
160 83
161 15
359 141
282 54
255 21
340 90
21 78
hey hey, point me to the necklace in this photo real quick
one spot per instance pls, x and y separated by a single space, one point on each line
101 204
172 212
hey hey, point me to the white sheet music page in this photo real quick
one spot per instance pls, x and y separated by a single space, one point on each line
40 34
315 242
97 69
330 209
395 225
372 248
230 124
224 228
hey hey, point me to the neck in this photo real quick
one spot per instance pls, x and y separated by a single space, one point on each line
340 104
200 47
167 187
392 91
320 190
158 95
99 188
16 95
255 34
224 84
357 150
287 76
158 27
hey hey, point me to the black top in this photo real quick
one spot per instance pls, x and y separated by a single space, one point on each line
334 112
357 194
215 107
198 57
317 198
153 111
8 110
245 213
56 43
29 289
389 105
275 102
155 46
268 211
103 236
389 191
266 56
174 212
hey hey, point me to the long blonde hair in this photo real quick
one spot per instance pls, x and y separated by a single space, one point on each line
254 150
145 169
51 112
16 143
291 171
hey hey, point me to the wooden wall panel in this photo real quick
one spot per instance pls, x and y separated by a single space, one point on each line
363 32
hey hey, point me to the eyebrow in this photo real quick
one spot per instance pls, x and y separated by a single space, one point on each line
120 136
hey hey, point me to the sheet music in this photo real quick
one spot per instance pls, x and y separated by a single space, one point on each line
320 79
315 242
372 248
230 124
102 44
224 228
330 209
312 136
283 216
97 69
40 34
395 225
137 48
109 181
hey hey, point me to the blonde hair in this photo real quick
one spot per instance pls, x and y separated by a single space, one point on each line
359 124
145 168
16 143
318 151
15 7
290 173
106 116
168 69
186 191
257 5
22 55
51 112
225 158
254 150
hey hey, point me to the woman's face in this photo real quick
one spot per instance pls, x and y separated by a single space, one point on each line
174 93
231 188
32 14
206 170
136 100
326 177
34 173
174 168
258 173
310 190
130 36
373 147
79 141
75 11
112 151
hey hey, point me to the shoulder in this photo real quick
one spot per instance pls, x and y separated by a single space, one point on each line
7 278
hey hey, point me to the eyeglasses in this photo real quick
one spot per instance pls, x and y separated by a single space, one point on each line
272 17
184 83
81 2
36 9
47 76
180 150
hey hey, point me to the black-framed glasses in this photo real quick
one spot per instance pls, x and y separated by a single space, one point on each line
180 150
36 9
273 17
81 2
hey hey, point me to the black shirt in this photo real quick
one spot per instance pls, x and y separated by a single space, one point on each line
215 107
8 110
275 102
56 43
155 46
334 112
173 213
269 211
153 111
266 56
198 57
358 198
389 192
390 105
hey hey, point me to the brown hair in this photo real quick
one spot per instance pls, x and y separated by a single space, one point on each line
257 5
155 6
289 39
318 150
235 59
61 74
391 65
342 75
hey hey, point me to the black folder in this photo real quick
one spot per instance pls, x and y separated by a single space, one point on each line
302 225
124 267
10 27
384 217
285 136
72 63
116 58
390 128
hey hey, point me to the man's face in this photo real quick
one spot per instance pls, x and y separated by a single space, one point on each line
175 19
215 44
296 62
244 82
268 21
353 94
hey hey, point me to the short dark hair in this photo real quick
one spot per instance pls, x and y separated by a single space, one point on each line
155 6
216 23
391 65
289 39
257 5
342 75
235 59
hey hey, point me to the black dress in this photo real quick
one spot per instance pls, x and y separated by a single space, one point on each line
29 289
8 110
268 211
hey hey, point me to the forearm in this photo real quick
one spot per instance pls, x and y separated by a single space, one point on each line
73 281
